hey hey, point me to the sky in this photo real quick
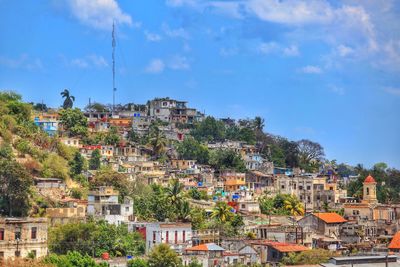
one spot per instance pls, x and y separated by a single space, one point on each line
323 70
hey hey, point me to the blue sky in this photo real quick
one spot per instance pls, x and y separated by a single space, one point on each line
323 70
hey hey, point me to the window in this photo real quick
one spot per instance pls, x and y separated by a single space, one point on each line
126 209
367 191
308 187
300 187
17 253
1 254
33 232
183 236
167 237
176 237
1 233
17 234
283 186
154 236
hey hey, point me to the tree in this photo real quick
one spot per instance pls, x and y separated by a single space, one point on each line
259 123
209 130
191 149
77 164
163 256
293 206
138 262
112 137
69 99
157 141
109 177
94 162
74 121
308 257
15 182
309 152
223 159
72 258
94 238
222 212
174 192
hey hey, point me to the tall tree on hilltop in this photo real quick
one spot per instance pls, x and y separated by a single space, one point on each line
309 154
69 99
259 123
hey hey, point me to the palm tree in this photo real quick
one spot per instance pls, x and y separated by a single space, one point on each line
174 192
259 123
293 206
157 141
69 99
222 212
183 210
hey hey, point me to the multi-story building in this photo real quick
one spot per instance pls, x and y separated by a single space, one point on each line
103 203
177 235
233 181
20 237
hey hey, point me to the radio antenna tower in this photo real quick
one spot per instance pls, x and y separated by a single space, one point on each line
113 64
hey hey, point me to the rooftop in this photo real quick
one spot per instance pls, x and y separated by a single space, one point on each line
206 247
330 217
395 243
369 180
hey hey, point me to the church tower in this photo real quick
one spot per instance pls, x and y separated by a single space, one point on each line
369 190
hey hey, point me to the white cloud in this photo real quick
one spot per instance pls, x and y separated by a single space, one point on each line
152 37
89 61
179 3
291 12
155 66
311 69
291 51
175 33
392 91
273 47
99 14
179 63
337 90
267 48
24 61
344 51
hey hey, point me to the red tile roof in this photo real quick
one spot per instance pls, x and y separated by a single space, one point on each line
369 180
330 217
206 247
395 243
282 247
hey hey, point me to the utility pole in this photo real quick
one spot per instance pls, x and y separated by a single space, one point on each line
113 64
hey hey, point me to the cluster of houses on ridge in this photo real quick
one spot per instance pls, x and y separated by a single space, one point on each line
365 225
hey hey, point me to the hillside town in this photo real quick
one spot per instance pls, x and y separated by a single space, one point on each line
163 184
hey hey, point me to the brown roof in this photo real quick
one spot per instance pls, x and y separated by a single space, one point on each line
395 243
330 217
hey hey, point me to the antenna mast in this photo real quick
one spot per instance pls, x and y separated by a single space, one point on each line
113 64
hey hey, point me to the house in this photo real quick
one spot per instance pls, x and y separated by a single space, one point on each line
50 126
273 252
259 182
233 181
103 203
22 236
72 210
209 254
177 235
71 141
183 164
326 228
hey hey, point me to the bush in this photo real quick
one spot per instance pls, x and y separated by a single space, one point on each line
138 262
314 256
